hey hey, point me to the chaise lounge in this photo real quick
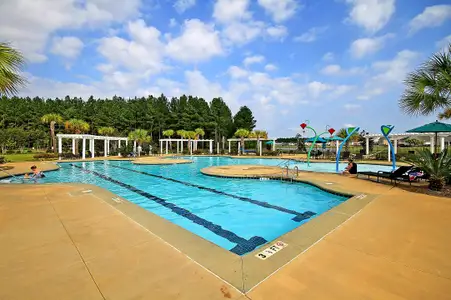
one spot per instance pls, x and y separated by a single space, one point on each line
397 175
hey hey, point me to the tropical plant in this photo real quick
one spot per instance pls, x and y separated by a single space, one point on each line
259 134
107 131
438 167
76 126
242 133
428 88
191 135
181 133
140 136
446 114
52 119
11 63
413 142
168 132
199 134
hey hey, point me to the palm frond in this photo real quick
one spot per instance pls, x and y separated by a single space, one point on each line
11 64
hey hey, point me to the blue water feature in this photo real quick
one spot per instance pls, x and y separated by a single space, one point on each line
239 215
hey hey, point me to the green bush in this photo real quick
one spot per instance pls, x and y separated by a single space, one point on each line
2 160
45 156
270 153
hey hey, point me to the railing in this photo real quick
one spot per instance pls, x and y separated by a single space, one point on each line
297 170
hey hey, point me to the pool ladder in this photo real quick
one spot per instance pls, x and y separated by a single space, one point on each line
288 173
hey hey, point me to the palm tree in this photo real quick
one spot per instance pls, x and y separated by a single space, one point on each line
181 133
190 135
169 133
438 168
106 131
446 114
242 133
428 88
52 119
140 136
199 133
11 63
260 134
76 126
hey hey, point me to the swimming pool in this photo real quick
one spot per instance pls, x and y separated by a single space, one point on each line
239 215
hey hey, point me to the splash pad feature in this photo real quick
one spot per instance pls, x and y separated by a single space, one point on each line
349 132
386 130
305 125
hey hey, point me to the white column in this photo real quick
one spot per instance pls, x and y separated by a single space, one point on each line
191 147
126 143
217 149
167 143
60 147
178 147
230 147
367 145
92 147
105 153
73 146
273 145
388 146
181 145
211 147
338 145
432 144
119 147
108 146
442 143
83 151
134 146
260 146
239 148
396 146
161 147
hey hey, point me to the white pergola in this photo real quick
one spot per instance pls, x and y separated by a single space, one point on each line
75 137
442 137
180 144
260 147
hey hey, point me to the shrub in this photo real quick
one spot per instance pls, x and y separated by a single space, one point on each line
2 160
45 156
10 151
270 153
197 152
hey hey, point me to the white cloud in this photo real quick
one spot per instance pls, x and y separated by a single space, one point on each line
389 74
68 46
270 67
352 107
172 23
237 72
280 10
338 70
198 42
372 15
432 16
348 125
444 43
243 32
143 52
278 32
329 56
311 35
182 5
28 30
256 59
226 11
367 46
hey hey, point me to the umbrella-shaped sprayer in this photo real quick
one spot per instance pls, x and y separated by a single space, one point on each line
329 130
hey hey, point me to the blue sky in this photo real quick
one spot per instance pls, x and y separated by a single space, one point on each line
333 62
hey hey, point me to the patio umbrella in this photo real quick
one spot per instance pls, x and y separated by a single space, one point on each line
319 140
434 127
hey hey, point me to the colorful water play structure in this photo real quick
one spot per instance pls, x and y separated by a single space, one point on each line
329 130
386 129
349 132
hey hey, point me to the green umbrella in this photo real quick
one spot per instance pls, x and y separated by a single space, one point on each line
434 127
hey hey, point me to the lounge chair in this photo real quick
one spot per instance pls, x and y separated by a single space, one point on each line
398 174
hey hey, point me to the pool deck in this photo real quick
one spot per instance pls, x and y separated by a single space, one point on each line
75 241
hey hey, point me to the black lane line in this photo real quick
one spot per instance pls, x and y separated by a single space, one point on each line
242 245
298 217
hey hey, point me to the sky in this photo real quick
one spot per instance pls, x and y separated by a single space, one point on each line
331 62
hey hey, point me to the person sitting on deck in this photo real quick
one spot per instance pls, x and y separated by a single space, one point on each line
351 168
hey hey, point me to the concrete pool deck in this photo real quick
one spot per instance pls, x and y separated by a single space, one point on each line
82 242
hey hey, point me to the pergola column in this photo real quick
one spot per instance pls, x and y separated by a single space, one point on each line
178 147
73 146
239 144
230 146
83 151
395 146
119 147
260 147
161 146
432 144
105 152
181 145
273 145
442 143
92 147
367 145
337 144
191 147
60 147
217 149
388 146
211 147
167 143
108 146
134 146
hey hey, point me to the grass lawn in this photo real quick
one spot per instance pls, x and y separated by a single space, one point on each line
19 157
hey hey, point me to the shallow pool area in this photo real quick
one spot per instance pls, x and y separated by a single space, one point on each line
239 215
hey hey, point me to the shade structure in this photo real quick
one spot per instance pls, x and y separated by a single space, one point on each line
335 138
434 127
269 143
319 140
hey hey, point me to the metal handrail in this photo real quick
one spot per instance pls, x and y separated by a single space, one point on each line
297 170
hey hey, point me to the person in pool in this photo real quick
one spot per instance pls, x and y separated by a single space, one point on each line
351 168
36 174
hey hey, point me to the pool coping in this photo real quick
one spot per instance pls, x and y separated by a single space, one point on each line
247 271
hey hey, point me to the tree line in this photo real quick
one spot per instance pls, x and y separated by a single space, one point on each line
24 121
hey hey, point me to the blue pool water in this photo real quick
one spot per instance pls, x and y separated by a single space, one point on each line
239 215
